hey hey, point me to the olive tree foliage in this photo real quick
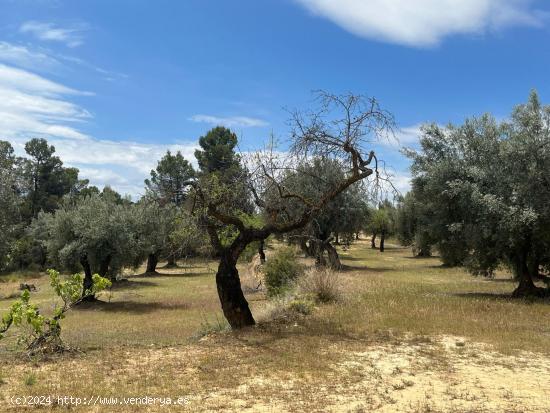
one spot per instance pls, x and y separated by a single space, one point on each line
154 225
411 225
95 233
43 334
486 187
340 219
382 223
340 129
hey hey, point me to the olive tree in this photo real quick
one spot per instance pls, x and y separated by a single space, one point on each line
154 225
487 186
410 225
339 129
95 233
341 218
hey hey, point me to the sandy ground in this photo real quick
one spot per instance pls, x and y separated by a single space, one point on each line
447 374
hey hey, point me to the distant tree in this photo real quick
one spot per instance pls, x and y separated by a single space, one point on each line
337 130
411 226
341 217
218 159
155 224
10 202
46 179
95 233
487 187
382 223
167 182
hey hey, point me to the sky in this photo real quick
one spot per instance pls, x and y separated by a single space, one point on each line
113 84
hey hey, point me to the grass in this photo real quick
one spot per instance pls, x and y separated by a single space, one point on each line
165 336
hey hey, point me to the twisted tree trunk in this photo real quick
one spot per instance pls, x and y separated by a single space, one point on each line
333 258
373 241
234 305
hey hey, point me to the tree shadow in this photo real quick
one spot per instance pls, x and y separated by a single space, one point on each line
504 297
419 257
131 284
130 307
364 268
166 274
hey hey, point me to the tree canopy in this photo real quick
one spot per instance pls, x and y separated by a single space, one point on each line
486 189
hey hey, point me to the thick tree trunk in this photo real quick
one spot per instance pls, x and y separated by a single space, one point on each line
333 258
373 241
104 266
234 305
382 239
88 282
261 251
152 261
526 287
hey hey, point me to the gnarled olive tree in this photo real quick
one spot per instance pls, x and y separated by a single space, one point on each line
339 129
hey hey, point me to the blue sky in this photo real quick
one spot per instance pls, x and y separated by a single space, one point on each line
113 84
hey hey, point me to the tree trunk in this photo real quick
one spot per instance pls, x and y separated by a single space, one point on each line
171 261
104 266
382 239
88 282
261 251
308 250
152 261
336 239
234 305
333 258
526 287
373 241
357 236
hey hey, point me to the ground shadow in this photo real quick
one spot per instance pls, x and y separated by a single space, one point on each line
504 297
364 268
131 284
167 274
131 307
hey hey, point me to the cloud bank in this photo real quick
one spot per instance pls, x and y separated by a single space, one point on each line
424 23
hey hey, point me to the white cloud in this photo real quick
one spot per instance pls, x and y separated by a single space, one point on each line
33 106
408 135
424 22
232 121
70 36
29 82
23 56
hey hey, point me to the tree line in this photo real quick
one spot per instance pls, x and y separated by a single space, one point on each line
228 208
479 199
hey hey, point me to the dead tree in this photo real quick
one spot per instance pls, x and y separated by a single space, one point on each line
338 130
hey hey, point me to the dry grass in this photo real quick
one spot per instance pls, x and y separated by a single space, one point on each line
410 336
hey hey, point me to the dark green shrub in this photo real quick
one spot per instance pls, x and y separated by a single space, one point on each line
281 270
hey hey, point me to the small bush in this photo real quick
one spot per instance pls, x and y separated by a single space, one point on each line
30 379
301 306
281 271
322 284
